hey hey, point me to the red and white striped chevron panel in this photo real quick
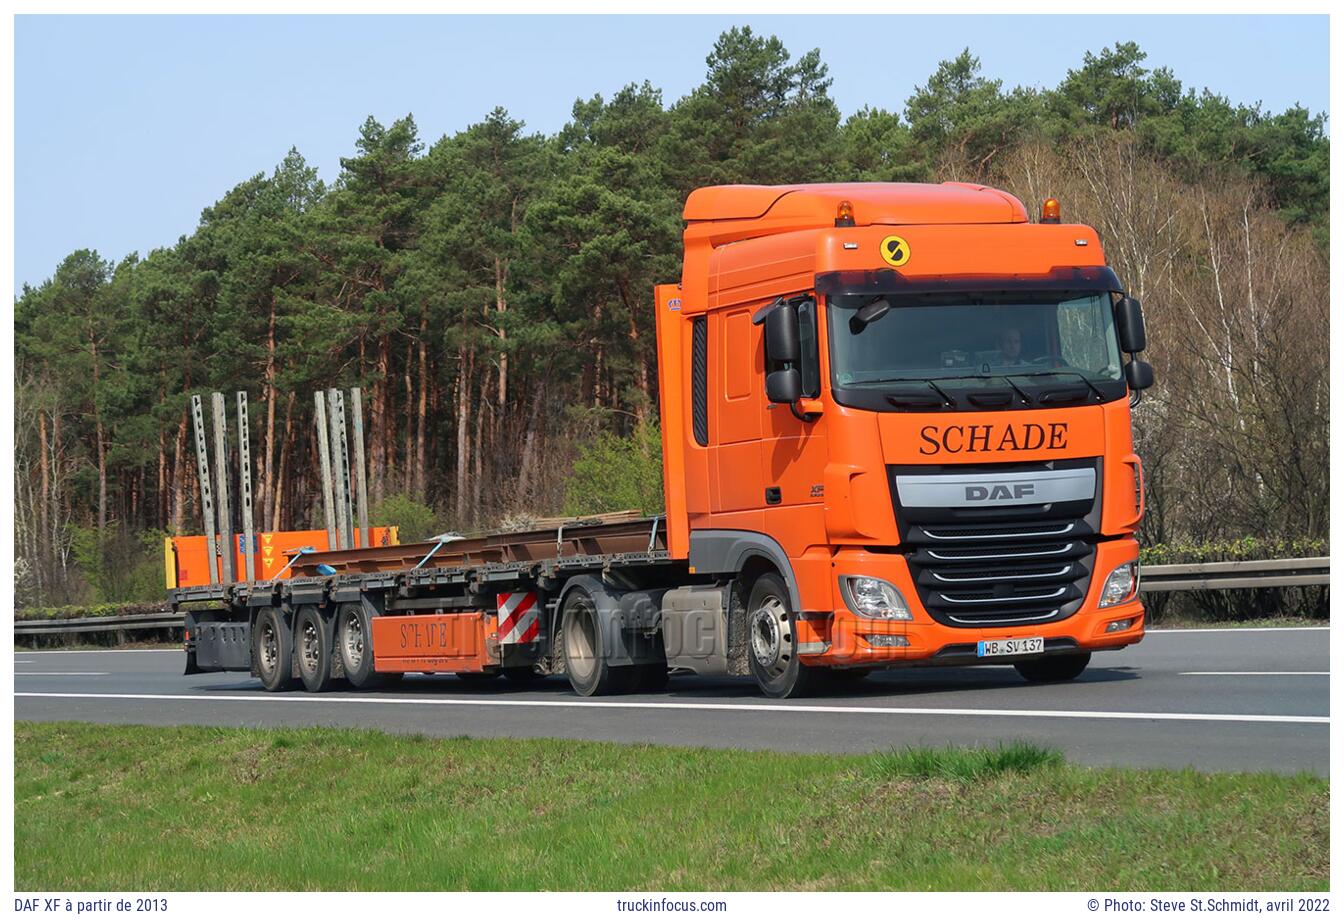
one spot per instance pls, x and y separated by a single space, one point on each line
519 619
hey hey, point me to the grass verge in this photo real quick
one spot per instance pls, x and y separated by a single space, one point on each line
125 808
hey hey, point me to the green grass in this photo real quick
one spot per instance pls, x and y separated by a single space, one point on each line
134 808
965 764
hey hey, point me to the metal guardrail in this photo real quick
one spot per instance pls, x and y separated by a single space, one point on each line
165 620
1200 576
1247 573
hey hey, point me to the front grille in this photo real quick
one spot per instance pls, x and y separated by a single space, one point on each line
999 574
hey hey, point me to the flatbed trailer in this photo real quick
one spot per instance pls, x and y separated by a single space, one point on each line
455 590
896 433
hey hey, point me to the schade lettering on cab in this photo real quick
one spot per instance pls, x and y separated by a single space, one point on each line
992 439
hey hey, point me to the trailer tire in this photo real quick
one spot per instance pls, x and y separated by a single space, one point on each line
1053 669
312 641
354 643
273 650
585 653
772 642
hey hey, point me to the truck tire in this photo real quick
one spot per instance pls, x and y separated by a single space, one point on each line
1054 669
585 654
273 650
354 643
772 642
312 641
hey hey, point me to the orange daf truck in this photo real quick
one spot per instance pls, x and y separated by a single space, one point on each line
896 432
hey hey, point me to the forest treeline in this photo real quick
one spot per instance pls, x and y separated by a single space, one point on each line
491 293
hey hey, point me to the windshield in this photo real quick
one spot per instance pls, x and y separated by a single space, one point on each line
951 337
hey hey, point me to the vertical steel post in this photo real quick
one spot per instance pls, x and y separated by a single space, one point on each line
361 481
222 486
203 471
339 481
328 512
343 472
245 489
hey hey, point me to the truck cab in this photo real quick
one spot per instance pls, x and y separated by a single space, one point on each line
899 416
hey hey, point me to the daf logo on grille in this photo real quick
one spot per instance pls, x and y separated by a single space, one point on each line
999 492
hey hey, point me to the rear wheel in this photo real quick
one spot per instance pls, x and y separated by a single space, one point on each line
773 642
1055 669
313 642
273 650
585 655
354 643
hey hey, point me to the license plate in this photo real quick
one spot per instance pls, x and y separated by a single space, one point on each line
991 648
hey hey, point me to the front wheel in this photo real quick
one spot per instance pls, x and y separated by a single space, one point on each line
1055 669
772 643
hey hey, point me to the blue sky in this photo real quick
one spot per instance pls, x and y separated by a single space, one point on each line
126 127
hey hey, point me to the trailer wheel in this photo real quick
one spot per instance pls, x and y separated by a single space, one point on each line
772 640
273 651
581 643
1055 669
314 647
354 642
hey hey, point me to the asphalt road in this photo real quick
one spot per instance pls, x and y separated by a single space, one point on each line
1211 699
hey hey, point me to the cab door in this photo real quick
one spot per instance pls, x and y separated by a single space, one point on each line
793 450
737 384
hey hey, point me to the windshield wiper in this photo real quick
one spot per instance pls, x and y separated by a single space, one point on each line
1083 377
948 400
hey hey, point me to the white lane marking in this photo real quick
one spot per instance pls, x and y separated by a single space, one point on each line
715 707
60 673
1159 630
1253 673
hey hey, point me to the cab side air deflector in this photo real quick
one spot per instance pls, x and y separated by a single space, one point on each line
716 552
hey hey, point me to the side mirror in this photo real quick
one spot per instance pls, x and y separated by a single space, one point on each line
1138 374
1129 325
781 334
784 387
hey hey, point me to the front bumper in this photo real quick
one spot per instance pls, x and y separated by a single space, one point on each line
839 638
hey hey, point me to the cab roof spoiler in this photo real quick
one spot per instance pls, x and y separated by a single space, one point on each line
889 281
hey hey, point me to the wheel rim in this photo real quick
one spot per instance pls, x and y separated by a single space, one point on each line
354 641
580 642
311 646
771 638
270 647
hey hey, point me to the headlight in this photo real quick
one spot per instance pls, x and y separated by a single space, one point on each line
1121 585
874 598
